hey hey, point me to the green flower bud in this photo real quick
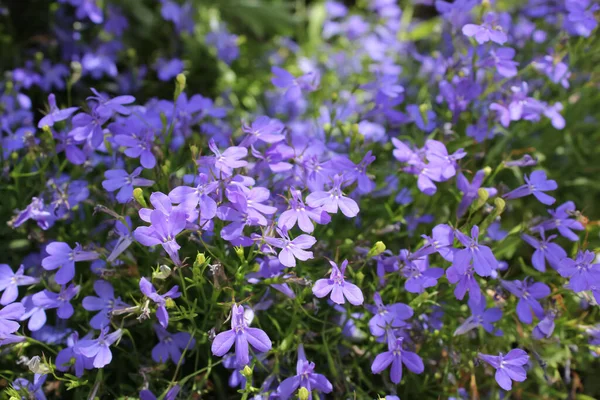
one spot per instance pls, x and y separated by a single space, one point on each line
138 195
200 260
246 372
303 393
377 249
179 85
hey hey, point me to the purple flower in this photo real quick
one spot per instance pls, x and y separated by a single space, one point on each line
305 377
479 256
556 70
537 183
35 389
545 250
10 281
168 69
73 352
9 315
61 301
99 349
225 43
508 367
502 60
106 106
420 276
488 30
170 345
242 335
35 314
294 86
302 214
230 159
63 257
425 120
171 394
441 240
339 288
396 356
545 327
88 127
582 273
528 294
357 172
263 129
465 282
333 199
480 317
163 231
120 179
106 303
137 138
470 190
192 197
561 220
392 316
580 18
160 299
292 249
55 115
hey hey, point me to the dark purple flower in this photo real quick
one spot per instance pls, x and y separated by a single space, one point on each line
138 138
305 377
170 345
63 257
480 317
537 183
508 367
88 127
10 281
339 288
160 299
106 303
396 356
561 219
420 276
73 352
545 327
528 293
386 317
465 282
34 390
242 335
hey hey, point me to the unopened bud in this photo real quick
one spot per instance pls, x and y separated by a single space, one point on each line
487 171
179 85
138 195
246 372
482 198
377 249
500 205
169 302
200 260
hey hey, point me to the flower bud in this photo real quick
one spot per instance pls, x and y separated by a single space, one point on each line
482 198
138 195
179 85
500 205
377 249
169 302
487 171
200 260
246 372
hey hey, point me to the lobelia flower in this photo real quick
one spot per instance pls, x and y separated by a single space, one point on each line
230 159
508 367
106 303
120 179
61 301
528 294
161 300
73 352
10 281
292 249
123 242
545 250
580 18
465 282
537 183
170 345
9 315
420 276
469 190
582 273
88 128
34 390
488 30
192 197
107 107
441 240
305 378
502 60
242 335
385 317
171 394
263 129
425 120
168 69
556 70
480 317
226 43
545 327
339 288
35 314
479 256
99 349
561 220
396 356
294 86
163 230
63 257
137 138
301 214
333 199
55 115
357 172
